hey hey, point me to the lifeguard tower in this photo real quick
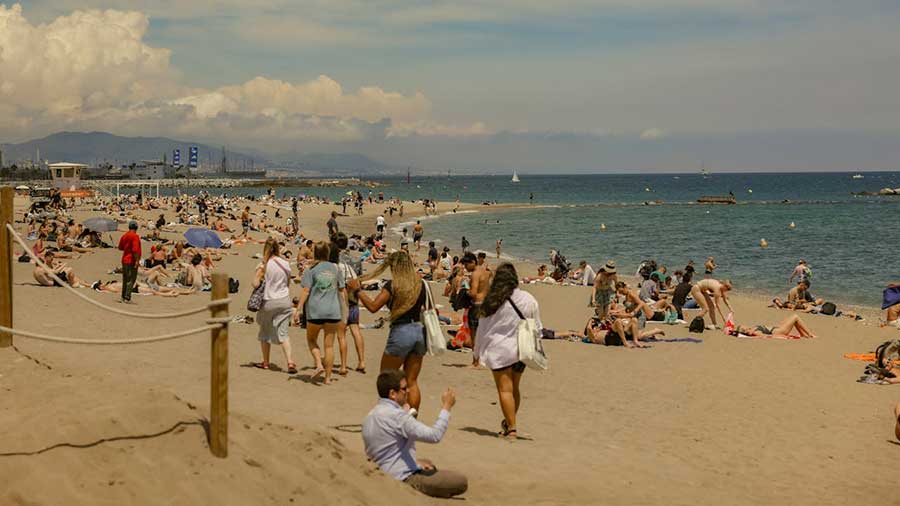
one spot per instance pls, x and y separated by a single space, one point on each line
66 178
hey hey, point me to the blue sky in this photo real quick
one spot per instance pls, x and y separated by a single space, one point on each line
582 85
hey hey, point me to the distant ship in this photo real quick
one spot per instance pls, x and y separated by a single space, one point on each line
857 176
704 172
515 178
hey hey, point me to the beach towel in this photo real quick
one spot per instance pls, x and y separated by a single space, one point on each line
865 357
673 340
890 297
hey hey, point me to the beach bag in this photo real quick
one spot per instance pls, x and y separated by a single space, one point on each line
256 298
671 317
528 335
233 285
828 308
24 258
435 342
697 325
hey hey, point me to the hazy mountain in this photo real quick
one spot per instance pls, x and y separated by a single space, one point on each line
98 147
345 164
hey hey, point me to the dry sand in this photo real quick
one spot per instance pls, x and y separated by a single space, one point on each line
727 421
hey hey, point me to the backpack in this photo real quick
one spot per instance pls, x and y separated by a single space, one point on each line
828 308
233 285
697 325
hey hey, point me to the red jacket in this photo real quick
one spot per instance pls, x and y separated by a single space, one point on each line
130 244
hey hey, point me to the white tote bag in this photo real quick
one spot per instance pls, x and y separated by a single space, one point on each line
531 348
435 342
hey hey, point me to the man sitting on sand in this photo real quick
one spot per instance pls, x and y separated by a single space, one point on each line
64 272
390 433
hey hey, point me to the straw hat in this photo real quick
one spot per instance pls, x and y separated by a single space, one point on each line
609 268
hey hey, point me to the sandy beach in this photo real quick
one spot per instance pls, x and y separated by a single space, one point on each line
725 421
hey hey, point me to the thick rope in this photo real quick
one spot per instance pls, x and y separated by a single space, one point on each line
142 340
160 316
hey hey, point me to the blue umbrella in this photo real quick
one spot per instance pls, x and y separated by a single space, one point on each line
203 238
101 224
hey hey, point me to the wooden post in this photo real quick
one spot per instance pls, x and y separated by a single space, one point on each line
218 404
7 194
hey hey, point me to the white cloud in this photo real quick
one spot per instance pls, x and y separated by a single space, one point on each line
93 70
653 134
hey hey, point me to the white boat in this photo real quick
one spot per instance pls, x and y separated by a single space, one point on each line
515 178
857 176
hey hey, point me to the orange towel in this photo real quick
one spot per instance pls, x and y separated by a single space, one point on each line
865 357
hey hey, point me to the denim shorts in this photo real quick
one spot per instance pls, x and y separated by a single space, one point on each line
352 315
406 339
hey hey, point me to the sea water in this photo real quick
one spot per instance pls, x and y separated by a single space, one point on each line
847 239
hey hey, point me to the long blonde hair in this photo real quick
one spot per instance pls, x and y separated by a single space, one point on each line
270 249
405 283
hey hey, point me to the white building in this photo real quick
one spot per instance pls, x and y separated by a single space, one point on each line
66 176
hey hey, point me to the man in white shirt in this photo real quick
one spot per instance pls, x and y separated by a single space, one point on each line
390 433
379 225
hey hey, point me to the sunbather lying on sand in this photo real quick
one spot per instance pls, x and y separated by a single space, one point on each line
783 329
143 288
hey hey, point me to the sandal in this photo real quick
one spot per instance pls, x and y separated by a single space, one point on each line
261 365
361 370
342 372
292 368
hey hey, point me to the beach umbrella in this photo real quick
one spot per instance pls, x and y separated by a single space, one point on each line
101 224
203 238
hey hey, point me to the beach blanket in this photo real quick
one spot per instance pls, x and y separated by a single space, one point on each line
673 340
865 357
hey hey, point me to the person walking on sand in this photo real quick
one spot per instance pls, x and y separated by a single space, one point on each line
245 221
274 316
390 434
418 232
480 284
322 288
604 289
464 244
497 346
405 295
709 294
349 305
801 271
379 225
130 246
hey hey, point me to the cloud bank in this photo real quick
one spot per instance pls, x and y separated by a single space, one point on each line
92 70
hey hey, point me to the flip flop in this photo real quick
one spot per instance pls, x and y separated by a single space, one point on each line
361 370
318 372
261 365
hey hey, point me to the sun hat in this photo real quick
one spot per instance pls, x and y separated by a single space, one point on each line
609 268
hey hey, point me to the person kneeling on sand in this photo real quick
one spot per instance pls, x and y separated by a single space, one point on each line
390 433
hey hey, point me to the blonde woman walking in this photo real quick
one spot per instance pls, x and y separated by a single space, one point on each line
404 294
274 316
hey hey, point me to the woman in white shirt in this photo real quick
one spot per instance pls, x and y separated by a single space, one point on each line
497 345
274 316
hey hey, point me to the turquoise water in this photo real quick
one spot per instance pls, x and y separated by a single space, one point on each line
847 239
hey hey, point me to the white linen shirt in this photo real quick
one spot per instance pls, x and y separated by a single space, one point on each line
496 342
390 433
278 273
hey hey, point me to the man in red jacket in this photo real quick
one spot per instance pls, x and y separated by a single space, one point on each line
130 244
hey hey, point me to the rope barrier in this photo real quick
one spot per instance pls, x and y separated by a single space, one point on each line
142 340
101 305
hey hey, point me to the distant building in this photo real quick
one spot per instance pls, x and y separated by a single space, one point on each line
148 169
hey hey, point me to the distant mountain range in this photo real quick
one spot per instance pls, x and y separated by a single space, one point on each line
95 148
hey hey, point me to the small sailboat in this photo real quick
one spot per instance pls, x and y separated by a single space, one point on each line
857 176
704 172
515 178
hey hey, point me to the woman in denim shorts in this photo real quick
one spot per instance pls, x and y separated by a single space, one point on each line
405 297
